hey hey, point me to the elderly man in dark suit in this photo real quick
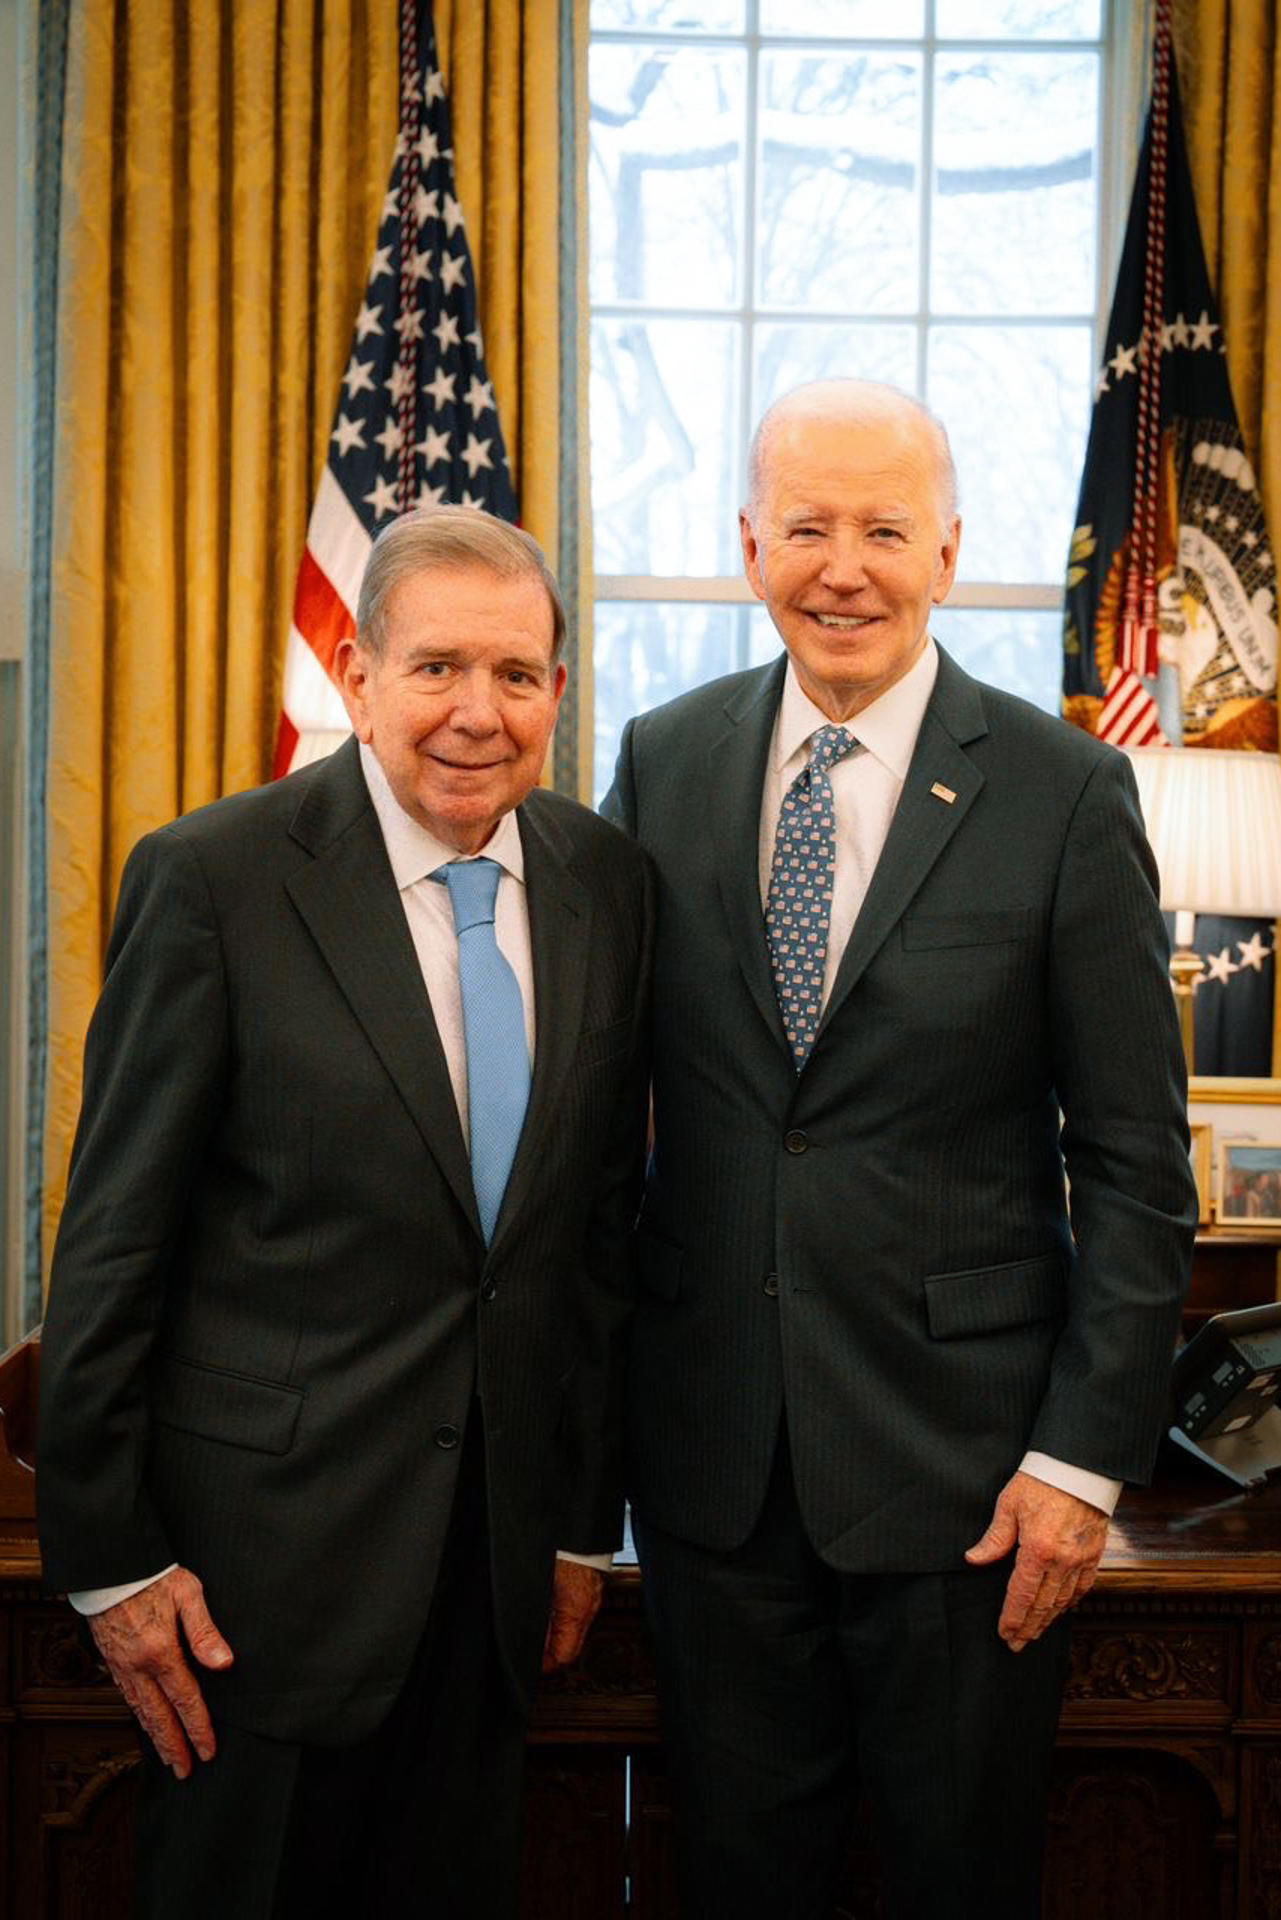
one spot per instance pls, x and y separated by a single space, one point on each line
331 1360
907 925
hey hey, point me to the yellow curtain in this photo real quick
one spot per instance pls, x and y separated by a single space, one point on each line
224 169
1229 58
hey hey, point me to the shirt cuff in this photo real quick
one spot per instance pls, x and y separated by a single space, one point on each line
91 1600
601 1561
1094 1487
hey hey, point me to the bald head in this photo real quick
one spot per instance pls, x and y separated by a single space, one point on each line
868 404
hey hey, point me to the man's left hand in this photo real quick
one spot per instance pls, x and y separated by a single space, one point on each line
1060 1541
576 1598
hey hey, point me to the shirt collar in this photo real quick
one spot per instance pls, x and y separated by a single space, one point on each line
414 851
887 728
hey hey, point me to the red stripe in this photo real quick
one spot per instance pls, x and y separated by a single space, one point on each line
286 741
320 614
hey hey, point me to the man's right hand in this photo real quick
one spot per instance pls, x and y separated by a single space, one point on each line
139 1640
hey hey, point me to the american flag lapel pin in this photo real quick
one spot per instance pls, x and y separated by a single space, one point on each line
943 793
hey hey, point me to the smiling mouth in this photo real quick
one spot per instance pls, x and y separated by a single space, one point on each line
844 622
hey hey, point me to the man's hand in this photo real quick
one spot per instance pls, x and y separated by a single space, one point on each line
139 1640
576 1598
1060 1541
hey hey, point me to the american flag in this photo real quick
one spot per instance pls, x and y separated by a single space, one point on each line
415 422
1170 567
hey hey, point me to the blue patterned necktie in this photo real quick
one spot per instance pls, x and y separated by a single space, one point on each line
494 1029
799 905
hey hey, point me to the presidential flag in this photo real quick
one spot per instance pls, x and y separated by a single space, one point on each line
1170 567
415 421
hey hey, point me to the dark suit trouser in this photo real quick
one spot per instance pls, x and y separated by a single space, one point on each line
786 1688
421 1819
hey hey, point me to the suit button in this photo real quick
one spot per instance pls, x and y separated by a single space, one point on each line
795 1141
447 1437
771 1285
489 1291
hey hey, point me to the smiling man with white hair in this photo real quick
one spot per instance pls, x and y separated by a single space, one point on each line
882 1392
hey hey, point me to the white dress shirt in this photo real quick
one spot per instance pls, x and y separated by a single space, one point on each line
415 853
866 786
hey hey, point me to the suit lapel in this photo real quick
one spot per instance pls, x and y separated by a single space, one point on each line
560 924
348 899
924 821
736 779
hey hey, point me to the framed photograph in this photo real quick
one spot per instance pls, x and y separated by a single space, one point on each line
1202 1164
1249 1184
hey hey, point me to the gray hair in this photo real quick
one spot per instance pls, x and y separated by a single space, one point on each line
869 402
440 538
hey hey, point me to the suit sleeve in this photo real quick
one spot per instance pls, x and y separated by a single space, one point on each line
596 1425
619 804
156 1061
1119 1074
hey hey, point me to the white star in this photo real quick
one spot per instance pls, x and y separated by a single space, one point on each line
453 215
1232 523
367 320
1102 385
1249 538
391 439
1167 339
476 454
382 263
409 324
446 331
479 397
468 501
430 496
453 271
428 147
426 205
1123 361
474 340
435 447
1212 514
1253 952
1218 967
357 377
1182 332
419 264
1203 332
348 433
399 382
382 499
391 207
435 89
441 388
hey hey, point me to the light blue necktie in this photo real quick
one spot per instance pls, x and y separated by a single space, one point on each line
798 907
494 1028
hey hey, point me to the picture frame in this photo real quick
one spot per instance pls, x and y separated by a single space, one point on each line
1249 1192
1202 1156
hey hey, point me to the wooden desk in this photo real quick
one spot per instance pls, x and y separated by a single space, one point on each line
1167 1798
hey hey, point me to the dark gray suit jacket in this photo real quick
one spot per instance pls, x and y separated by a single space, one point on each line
271 1303
881 1242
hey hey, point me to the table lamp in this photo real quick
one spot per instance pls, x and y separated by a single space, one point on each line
1214 821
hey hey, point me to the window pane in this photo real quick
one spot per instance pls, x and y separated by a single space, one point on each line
646 653
665 452
838 211
787 355
673 16
1015 402
1014 218
1018 19
843 19
666 175
1016 649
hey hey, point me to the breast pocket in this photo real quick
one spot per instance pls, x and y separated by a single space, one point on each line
926 932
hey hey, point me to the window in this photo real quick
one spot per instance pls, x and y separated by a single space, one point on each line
786 189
